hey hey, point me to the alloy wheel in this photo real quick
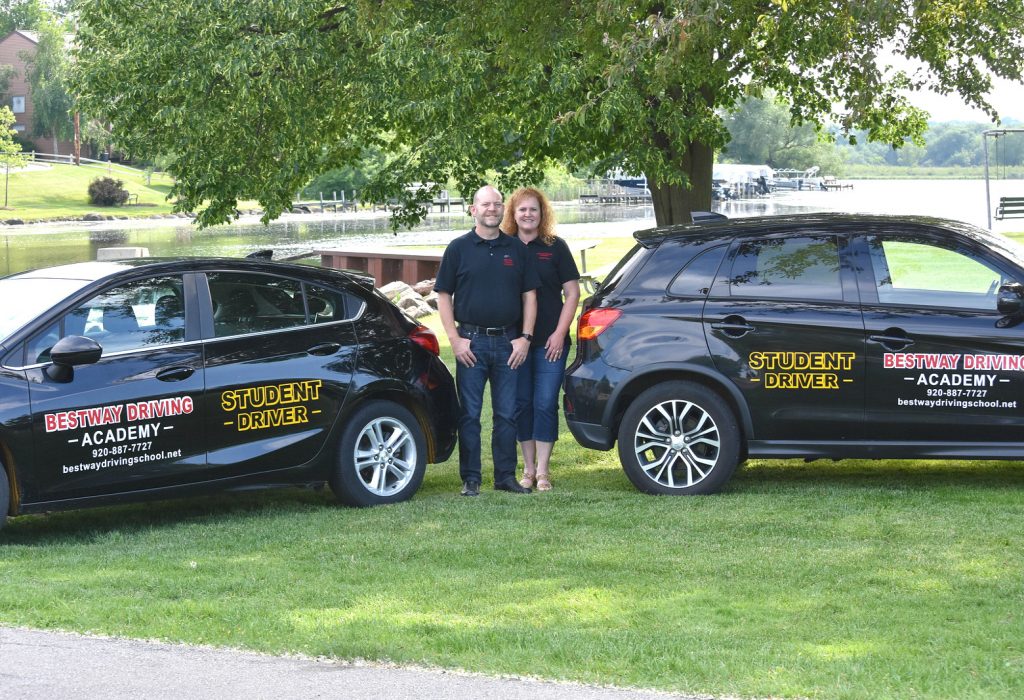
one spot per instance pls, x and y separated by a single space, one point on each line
677 443
385 456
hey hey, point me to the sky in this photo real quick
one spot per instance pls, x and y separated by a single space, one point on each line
1007 97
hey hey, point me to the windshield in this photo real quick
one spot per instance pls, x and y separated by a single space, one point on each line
24 298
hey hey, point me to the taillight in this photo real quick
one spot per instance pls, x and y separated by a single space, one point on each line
595 322
425 338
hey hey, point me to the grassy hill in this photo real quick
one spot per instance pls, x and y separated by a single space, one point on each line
44 192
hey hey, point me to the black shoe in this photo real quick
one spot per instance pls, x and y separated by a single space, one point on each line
471 487
511 485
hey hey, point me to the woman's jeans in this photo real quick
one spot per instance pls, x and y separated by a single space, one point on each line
492 353
537 400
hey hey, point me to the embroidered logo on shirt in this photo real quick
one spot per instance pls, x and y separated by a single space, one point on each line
545 256
508 261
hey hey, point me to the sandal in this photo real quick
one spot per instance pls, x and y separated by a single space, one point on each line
543 481
529 475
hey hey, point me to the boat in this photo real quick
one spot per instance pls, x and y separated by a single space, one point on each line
740 181
795 179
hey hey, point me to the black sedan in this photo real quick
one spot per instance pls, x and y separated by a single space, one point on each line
143 379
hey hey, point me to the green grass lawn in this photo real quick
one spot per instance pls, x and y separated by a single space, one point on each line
60 192
826 580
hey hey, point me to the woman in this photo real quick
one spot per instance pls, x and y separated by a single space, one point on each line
529 218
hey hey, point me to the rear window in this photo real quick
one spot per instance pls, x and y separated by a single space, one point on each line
624 268
695 279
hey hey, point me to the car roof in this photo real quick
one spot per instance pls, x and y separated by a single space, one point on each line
653 237
95 271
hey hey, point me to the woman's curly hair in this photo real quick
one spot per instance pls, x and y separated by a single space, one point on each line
546 230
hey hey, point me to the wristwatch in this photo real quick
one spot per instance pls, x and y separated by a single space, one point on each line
527 336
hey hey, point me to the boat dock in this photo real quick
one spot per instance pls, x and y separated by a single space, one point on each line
442 203
612 192
830 183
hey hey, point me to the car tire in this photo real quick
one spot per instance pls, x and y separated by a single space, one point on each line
679 438
382 456
5 495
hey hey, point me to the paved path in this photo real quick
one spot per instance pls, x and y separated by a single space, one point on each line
47 665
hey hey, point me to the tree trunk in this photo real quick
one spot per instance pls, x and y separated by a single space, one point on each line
53 138
674 203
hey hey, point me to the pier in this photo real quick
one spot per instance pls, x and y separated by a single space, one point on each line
442 203
608 192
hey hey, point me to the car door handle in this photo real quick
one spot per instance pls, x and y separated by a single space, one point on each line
175 374
894 342
733 326
324 349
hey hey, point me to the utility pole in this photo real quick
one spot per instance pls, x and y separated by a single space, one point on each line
78 140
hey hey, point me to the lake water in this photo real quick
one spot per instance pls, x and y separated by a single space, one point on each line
24 247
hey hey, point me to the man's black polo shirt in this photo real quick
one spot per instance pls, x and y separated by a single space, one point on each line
487 279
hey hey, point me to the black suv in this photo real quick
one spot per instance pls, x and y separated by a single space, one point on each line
814 336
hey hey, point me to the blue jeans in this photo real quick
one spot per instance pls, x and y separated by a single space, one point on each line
492 353
537 402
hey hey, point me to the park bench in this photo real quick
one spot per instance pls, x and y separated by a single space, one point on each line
1010 208
591 280
133 198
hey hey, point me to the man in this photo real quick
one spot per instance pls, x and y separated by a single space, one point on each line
487 299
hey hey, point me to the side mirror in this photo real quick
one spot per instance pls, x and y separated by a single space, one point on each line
69 352
1011 299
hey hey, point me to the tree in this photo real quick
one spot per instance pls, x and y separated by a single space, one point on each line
255 98
10 151
955 143
46 72
348 179
20 14
7 72
761 131
98 136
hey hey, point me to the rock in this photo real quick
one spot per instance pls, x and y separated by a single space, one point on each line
424 288
398 290
431 300
14 222
93 216
415 306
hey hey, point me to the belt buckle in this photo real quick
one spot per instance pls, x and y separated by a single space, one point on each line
494 331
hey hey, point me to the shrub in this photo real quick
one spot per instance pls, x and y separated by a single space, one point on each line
107 192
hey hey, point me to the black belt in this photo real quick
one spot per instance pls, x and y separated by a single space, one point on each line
485 330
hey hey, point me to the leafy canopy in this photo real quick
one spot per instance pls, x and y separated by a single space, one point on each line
46 72
255 98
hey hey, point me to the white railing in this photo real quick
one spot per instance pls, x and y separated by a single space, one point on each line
68 159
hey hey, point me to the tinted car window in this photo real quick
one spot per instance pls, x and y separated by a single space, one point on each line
695 279
924 273
127 317
38 347
629 261
327 305
801 267
252 303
